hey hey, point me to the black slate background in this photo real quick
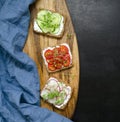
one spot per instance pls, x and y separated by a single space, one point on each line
97 25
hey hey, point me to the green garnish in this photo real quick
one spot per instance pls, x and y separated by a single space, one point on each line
50 95
69 36
45 96
48 22
53 94
60 96
59 101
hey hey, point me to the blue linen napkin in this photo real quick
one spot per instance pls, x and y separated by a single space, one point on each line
19 81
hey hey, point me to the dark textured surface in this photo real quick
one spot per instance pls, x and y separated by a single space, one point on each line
97 24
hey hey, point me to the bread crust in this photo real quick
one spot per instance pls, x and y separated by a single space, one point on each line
59 69
49 34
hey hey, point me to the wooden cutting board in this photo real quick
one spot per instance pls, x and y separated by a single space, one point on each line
37 42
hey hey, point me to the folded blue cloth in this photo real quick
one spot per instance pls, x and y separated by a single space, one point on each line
19 81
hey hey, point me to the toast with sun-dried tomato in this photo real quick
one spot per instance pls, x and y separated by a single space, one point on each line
57 58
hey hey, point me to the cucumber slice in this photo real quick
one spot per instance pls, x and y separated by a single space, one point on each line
56 19
41 15
43 27
41 24
56 30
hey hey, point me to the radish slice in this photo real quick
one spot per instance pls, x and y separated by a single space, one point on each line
52 84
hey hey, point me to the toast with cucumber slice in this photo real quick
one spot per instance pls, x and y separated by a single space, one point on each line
49 23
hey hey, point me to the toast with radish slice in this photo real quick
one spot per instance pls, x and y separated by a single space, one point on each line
56 93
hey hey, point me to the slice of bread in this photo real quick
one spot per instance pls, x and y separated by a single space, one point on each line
56 93
60 27
57 58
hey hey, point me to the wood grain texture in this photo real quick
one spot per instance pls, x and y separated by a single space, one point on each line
37 42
